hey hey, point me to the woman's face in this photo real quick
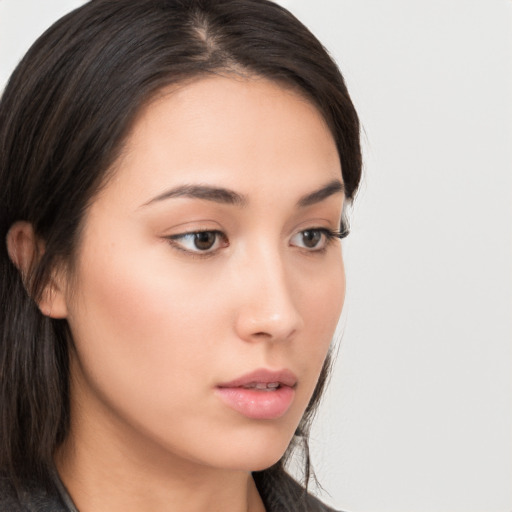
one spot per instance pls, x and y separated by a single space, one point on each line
207 286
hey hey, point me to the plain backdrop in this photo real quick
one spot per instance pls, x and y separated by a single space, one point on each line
419 413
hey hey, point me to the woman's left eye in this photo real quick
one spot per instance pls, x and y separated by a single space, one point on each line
314 239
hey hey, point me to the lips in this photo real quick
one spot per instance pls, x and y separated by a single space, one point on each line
263 376
262 394
262 386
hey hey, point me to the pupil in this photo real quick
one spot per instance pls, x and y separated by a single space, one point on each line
204 240
311 238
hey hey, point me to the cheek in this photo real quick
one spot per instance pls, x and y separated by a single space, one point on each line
321 300
322 294
138 328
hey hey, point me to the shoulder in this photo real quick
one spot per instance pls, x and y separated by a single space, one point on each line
31 498
281 493
8 498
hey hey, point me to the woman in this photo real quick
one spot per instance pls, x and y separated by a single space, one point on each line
173 180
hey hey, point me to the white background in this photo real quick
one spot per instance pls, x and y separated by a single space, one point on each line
419 413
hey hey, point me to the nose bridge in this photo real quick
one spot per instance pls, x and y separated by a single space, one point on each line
268 309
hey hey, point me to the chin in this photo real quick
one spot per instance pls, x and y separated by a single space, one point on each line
254 462
254 452
265 460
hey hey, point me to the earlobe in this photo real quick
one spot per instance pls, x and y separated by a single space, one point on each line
24 250
52 302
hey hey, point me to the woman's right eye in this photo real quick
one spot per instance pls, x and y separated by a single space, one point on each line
203 242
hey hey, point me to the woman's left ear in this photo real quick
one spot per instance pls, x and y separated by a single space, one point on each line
24 250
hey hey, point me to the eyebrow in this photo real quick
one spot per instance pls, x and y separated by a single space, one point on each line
206 192
332 188
227 196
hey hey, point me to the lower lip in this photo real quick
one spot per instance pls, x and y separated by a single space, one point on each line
258 405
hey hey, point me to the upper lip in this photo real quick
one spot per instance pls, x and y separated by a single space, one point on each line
283 377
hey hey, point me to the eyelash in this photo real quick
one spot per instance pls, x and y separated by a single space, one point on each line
329 235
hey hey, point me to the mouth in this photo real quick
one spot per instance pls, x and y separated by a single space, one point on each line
262 386
262 394
263 379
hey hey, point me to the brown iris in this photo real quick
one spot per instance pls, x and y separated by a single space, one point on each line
311 238
204 240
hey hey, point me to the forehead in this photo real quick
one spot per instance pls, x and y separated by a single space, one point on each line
246 133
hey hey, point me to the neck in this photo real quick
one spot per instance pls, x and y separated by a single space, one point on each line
111 484
107 467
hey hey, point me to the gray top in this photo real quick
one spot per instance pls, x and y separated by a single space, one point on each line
290 497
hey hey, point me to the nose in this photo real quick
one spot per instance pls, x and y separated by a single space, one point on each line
267 302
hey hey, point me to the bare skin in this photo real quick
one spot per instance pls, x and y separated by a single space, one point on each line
160 318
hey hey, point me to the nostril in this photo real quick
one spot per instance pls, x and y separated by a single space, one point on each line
272 336
267 311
